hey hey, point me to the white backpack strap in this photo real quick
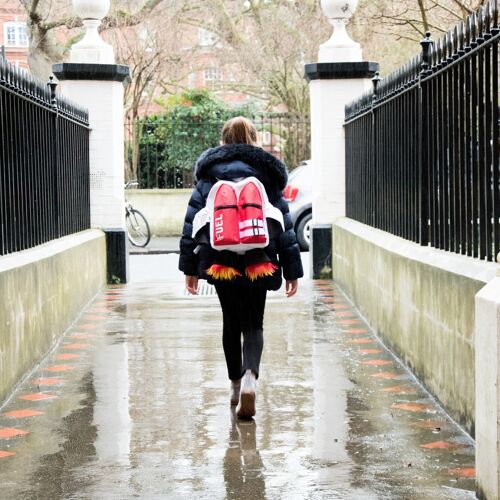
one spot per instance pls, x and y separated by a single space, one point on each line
204 216
201 219
274 213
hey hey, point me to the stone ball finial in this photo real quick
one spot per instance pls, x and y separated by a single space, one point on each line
341 47
91 9
339 9
92 49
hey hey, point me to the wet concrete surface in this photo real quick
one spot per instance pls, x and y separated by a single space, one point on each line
157 245
134 403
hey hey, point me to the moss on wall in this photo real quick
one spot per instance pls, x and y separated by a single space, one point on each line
422 311
43 291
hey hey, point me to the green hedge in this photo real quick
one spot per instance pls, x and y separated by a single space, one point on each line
170 143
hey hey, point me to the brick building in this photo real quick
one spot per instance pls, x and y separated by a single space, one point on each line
208 71
13 34
212 72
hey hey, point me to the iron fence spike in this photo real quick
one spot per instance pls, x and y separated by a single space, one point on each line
473 30
461 37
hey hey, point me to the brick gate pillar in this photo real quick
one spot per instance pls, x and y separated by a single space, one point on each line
339 76
93 80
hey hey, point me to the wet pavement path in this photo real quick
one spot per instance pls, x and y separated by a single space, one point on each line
134 403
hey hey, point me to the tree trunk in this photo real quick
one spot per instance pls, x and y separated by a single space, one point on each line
423 13
44 51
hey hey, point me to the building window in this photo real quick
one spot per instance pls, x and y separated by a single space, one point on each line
206 38
15 34
212 75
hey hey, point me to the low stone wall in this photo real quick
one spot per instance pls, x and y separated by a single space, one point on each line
43 291
420 301
164 209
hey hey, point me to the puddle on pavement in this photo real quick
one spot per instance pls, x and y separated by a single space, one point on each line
143 410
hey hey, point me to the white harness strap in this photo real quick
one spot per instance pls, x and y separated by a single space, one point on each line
250 227
251 223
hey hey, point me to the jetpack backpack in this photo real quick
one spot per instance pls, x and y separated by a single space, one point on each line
238 215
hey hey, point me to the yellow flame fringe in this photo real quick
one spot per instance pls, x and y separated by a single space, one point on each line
224 273
260 270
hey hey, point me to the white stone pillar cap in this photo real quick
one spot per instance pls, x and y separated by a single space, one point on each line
341 47
92 49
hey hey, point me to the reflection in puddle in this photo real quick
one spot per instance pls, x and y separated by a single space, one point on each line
243 467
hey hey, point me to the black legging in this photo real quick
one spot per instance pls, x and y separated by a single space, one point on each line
242 312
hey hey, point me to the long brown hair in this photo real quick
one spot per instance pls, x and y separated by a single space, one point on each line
239 130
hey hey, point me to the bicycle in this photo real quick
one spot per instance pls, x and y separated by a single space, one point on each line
138 231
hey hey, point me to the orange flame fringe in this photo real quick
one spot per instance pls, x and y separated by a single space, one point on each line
224 273
260 270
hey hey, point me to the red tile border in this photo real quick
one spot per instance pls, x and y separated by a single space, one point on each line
369 351
386 375
348 321
93 317
75 346
37 396
399 389
469 472
22 413
10 432
345 314
442 445
413 407
429 424
59 368
68 355
47 381
87 326
357 331
79 335
6 454
361 341
376 362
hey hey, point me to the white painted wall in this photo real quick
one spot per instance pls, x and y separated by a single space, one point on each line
165 209
328 101
104 100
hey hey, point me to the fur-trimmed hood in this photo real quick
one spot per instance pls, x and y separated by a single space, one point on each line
266 166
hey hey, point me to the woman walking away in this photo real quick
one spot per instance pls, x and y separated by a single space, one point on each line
238 235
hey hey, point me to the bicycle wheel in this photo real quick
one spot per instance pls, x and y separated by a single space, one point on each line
138 230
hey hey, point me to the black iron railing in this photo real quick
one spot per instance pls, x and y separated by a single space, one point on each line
422 148
162 150
44 163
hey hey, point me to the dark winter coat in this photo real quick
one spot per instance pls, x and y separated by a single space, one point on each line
230 162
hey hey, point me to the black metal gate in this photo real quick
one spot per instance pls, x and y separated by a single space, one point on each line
167 148
44 163
422 148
